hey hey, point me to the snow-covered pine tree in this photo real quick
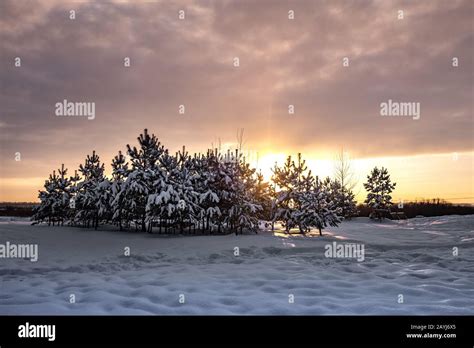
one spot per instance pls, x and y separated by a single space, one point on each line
221 188
162 197
72 197
118 207
186 198
104 194
226 186
48 197
90 190
318 207
302 187
379 186
146 178
54 200
208 187
272 191
244 208
262 195
284 194
62 206
305 198
287 180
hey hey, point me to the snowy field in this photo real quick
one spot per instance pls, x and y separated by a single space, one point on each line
412 258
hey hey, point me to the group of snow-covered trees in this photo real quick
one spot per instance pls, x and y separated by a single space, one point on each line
152 190
303 200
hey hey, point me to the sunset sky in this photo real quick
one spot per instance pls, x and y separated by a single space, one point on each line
282 62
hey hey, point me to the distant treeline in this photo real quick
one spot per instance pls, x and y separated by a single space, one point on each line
17 209
431 207
428 207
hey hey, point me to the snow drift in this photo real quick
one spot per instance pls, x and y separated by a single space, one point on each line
413 258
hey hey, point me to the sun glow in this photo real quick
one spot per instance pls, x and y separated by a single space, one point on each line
265 163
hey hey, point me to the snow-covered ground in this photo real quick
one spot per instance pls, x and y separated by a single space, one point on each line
412 258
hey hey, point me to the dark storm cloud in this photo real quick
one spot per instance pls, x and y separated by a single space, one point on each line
190 62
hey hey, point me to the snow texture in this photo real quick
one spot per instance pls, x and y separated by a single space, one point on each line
413 258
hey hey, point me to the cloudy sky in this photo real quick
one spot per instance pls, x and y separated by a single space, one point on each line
282 62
